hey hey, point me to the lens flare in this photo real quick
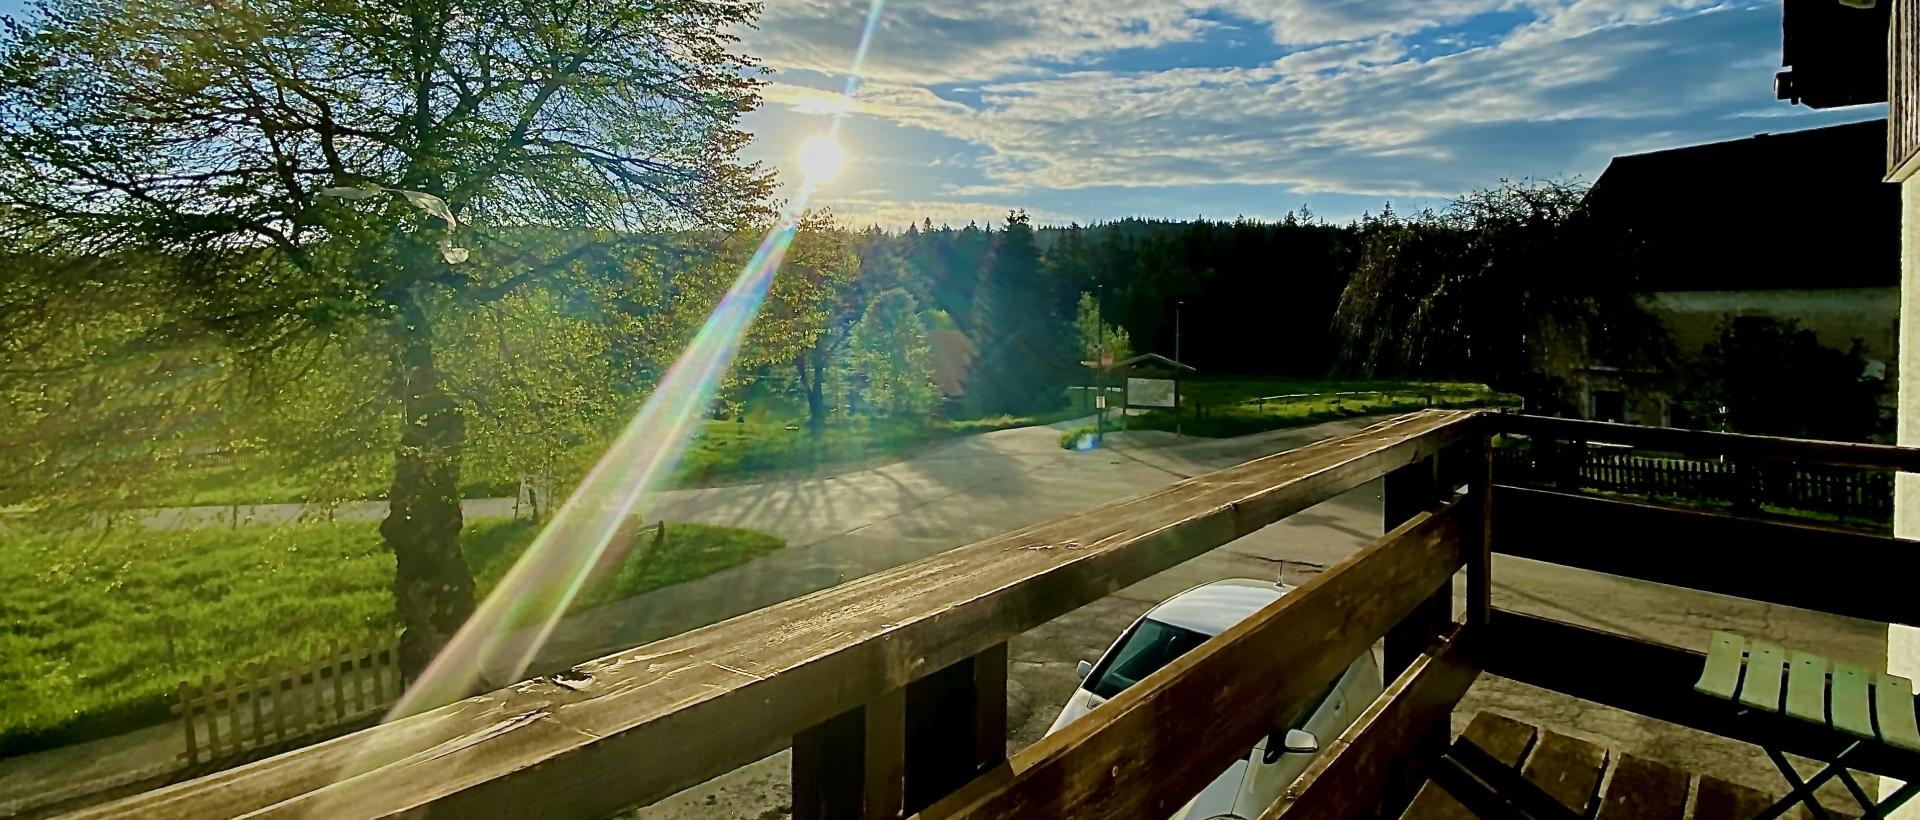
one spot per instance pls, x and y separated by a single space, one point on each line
820 159
497 644
500 641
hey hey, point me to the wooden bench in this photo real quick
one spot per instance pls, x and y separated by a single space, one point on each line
1503 768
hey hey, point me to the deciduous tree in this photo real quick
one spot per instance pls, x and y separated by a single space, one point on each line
317 184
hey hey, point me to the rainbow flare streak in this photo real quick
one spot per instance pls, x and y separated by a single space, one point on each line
500 641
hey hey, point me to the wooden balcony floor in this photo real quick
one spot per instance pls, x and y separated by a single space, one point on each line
1526 764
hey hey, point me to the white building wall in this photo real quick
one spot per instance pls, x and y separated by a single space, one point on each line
1903 642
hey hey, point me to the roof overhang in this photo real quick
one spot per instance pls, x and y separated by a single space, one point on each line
1835 53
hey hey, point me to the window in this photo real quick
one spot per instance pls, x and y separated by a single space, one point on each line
1147 647
1609 405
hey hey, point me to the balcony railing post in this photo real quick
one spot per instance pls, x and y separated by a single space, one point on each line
852 767
1408 491
956 726
1478 537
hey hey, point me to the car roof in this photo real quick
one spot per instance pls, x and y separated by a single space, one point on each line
1211 608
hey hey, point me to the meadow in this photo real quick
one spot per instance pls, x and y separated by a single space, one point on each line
102 624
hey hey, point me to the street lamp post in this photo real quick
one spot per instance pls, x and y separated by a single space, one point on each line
1099 369
1176 329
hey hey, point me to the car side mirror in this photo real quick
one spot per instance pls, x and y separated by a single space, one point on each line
1085 668
1295 741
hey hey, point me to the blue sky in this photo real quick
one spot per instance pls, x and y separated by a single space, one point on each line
1097 109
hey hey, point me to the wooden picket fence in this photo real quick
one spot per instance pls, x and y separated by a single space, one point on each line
1846 493
287 698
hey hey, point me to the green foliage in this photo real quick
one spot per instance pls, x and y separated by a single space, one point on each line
1770 377
327 233
1022 344
1095 336
1084 437
1223 408
91 609
1509 285
889 363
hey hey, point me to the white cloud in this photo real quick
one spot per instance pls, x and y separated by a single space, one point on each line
859 212
1355 113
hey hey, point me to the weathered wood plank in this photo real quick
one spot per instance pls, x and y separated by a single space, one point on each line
1377 751
1568 769
1713 551
256 728
335 669
1502 738
1701 442
1499 738
1204 708
1721 676
641 724
207 701
186 721
1642 789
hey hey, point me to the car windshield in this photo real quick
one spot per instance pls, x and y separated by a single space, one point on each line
1148 647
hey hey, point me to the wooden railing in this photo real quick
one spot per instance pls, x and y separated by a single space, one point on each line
891 689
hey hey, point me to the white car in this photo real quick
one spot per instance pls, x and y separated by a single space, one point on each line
1183 622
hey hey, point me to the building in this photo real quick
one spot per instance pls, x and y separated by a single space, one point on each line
1798 225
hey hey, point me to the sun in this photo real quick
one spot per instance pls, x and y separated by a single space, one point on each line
820 159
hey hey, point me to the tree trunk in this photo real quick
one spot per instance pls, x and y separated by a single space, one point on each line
816 394
432 585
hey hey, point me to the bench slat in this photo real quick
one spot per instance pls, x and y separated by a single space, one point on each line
1807 687
1721 677
1567 768
1850 713
1643 789
1893 706
1765 665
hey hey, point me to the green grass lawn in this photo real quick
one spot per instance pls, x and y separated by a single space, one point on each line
85 651
1226 407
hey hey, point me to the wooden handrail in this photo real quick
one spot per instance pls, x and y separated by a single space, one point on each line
1719 552
638 725
1737 445
1152 747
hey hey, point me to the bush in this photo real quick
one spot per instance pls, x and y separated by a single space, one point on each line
1080 438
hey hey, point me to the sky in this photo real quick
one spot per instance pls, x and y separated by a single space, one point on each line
1091 110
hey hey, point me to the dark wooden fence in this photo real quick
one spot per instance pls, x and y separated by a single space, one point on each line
1849 494
286 698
